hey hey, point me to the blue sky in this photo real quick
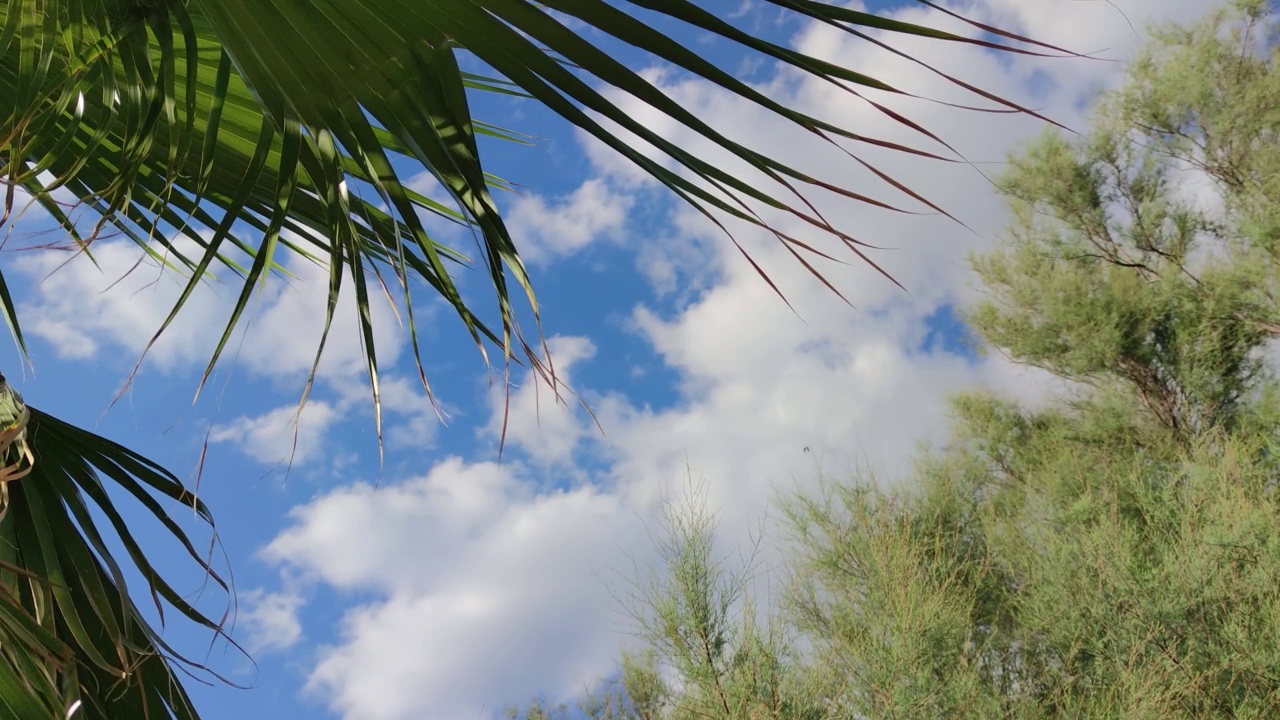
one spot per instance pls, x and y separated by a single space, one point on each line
461 585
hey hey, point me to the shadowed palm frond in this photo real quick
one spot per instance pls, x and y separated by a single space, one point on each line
72 641
253 128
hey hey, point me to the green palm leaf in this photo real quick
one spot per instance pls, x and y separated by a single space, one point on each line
249 127
71 637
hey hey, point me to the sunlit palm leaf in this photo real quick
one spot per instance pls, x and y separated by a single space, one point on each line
252 126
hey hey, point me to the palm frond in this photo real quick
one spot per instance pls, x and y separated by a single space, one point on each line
252 127
71 636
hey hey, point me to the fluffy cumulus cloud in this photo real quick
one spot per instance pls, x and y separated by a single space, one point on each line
283 435
109 311
85 311
270 620
114 307
560 226
412 418
291 435
482 582
484 587
544 421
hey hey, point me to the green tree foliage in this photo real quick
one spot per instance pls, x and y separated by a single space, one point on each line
707 652
1115 553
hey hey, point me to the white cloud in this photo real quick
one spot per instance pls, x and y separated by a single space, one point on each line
412 420
271 620
281 435
285 331
113 310
563 225
86 312
472 570
548 428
